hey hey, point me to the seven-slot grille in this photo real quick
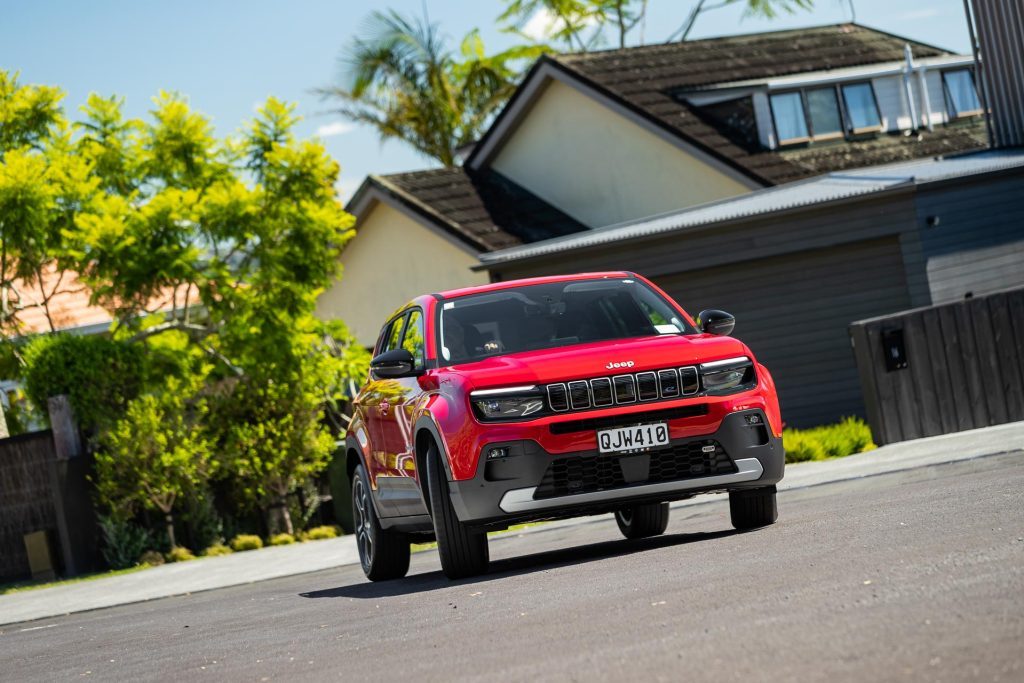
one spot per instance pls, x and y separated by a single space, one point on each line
601 392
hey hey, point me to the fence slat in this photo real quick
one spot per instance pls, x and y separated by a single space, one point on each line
921 362
975 390
951 334
988 360
1006 351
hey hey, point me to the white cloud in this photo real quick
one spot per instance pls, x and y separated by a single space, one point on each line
329 130
543 23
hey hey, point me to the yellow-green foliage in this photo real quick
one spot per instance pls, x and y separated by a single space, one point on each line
282 539
217 549
319 533
180 554
246 542
851 435
151 558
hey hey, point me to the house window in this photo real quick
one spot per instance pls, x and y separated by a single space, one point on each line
861 107
961 97
816 113
823 112
790 122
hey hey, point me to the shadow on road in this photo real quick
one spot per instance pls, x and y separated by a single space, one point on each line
514 566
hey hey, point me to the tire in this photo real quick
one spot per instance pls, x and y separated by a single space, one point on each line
463 551
753 508
341 492
642 521
383 555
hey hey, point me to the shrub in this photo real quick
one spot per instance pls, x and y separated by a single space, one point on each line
99 374
180 554
204 525
801 446
246 542
217 549
318 533
849 436
151 558
123 542
282 539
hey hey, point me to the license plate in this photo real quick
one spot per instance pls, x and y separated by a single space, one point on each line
628 439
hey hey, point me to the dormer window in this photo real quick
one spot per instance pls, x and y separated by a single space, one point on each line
961 97
861 107
790 118
815 113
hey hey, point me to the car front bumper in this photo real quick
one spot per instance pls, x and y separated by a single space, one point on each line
519 486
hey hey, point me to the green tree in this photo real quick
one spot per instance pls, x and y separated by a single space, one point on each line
43 186
155 454
209 253
272 438
406 82
582 25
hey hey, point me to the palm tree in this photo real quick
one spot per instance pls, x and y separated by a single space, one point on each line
404 81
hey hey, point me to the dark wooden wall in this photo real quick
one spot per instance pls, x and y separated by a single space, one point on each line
964 367
26 498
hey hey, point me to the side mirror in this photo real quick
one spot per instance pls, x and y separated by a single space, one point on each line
393 364
713 321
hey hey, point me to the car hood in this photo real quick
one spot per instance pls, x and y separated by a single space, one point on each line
598 359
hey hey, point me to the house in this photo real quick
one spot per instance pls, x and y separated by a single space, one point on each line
597 139
798 263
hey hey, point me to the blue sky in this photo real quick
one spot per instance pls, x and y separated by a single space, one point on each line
229 56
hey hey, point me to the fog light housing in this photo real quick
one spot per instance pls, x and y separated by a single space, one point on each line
753 418
497 453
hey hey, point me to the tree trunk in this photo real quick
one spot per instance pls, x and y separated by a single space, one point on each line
279 518
169 519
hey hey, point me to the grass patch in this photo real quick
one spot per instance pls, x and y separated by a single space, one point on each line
851 435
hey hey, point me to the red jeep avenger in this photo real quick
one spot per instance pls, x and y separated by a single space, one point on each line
549 398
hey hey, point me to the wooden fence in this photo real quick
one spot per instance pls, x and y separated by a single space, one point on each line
26 498
943 369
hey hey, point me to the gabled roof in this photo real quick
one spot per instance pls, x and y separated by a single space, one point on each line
648 80
484 210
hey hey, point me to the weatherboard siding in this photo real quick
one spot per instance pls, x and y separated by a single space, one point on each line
977 247
793 311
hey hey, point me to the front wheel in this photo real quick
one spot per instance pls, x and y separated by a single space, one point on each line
384 555
753 508
642 521
463 550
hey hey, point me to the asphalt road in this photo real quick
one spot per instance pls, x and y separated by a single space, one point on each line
916 575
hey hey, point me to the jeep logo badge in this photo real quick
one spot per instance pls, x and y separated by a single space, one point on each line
624 364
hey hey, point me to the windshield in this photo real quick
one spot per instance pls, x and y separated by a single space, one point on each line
551 315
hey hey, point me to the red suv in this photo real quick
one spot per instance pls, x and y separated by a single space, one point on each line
550 398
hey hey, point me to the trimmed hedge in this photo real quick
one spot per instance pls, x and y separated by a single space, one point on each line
246 542
851 435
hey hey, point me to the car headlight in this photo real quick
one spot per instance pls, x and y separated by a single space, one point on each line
726 376
507 404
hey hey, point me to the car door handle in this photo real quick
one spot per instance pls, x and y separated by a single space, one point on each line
384 407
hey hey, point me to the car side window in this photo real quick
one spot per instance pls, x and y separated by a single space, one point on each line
412 341
390 335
